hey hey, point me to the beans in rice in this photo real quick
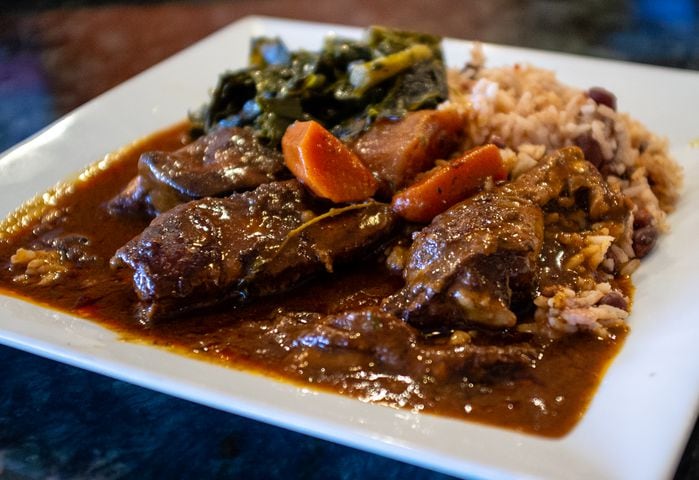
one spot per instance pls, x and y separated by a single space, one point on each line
529 113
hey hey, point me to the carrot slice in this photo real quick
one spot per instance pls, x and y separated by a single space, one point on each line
448 184
325 165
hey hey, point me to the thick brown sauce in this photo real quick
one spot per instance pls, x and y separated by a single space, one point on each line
546 399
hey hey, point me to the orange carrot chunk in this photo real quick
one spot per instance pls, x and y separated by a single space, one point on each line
448 184
325 165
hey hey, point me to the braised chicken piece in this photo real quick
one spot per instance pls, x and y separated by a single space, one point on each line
218 164
566 172
579 205
371 337
246 245
482 255
462 267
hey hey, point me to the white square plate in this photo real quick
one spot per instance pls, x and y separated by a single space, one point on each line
639 420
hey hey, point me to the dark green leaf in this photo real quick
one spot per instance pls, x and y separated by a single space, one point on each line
393 74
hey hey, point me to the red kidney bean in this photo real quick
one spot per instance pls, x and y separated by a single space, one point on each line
602 96
614 299
497 141
591 149
642 218
644 240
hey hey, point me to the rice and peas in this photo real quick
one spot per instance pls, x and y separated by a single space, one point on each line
529 113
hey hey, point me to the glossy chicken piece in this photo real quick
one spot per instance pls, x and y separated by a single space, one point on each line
370 336
474 259
462 267
566 171
397 151
249 244
335 237
218 164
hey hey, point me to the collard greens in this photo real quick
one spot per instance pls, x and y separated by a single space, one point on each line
345 86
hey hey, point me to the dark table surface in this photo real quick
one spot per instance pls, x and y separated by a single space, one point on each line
63 423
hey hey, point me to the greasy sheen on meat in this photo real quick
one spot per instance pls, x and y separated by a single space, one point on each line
479 257
218 164
246 245
567 172
578 203
334 237
371 337
396 151
462 265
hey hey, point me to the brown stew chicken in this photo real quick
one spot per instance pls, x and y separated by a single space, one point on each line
211 248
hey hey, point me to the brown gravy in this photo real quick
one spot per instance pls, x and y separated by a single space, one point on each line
548 399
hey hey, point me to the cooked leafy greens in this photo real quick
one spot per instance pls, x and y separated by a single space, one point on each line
345 86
